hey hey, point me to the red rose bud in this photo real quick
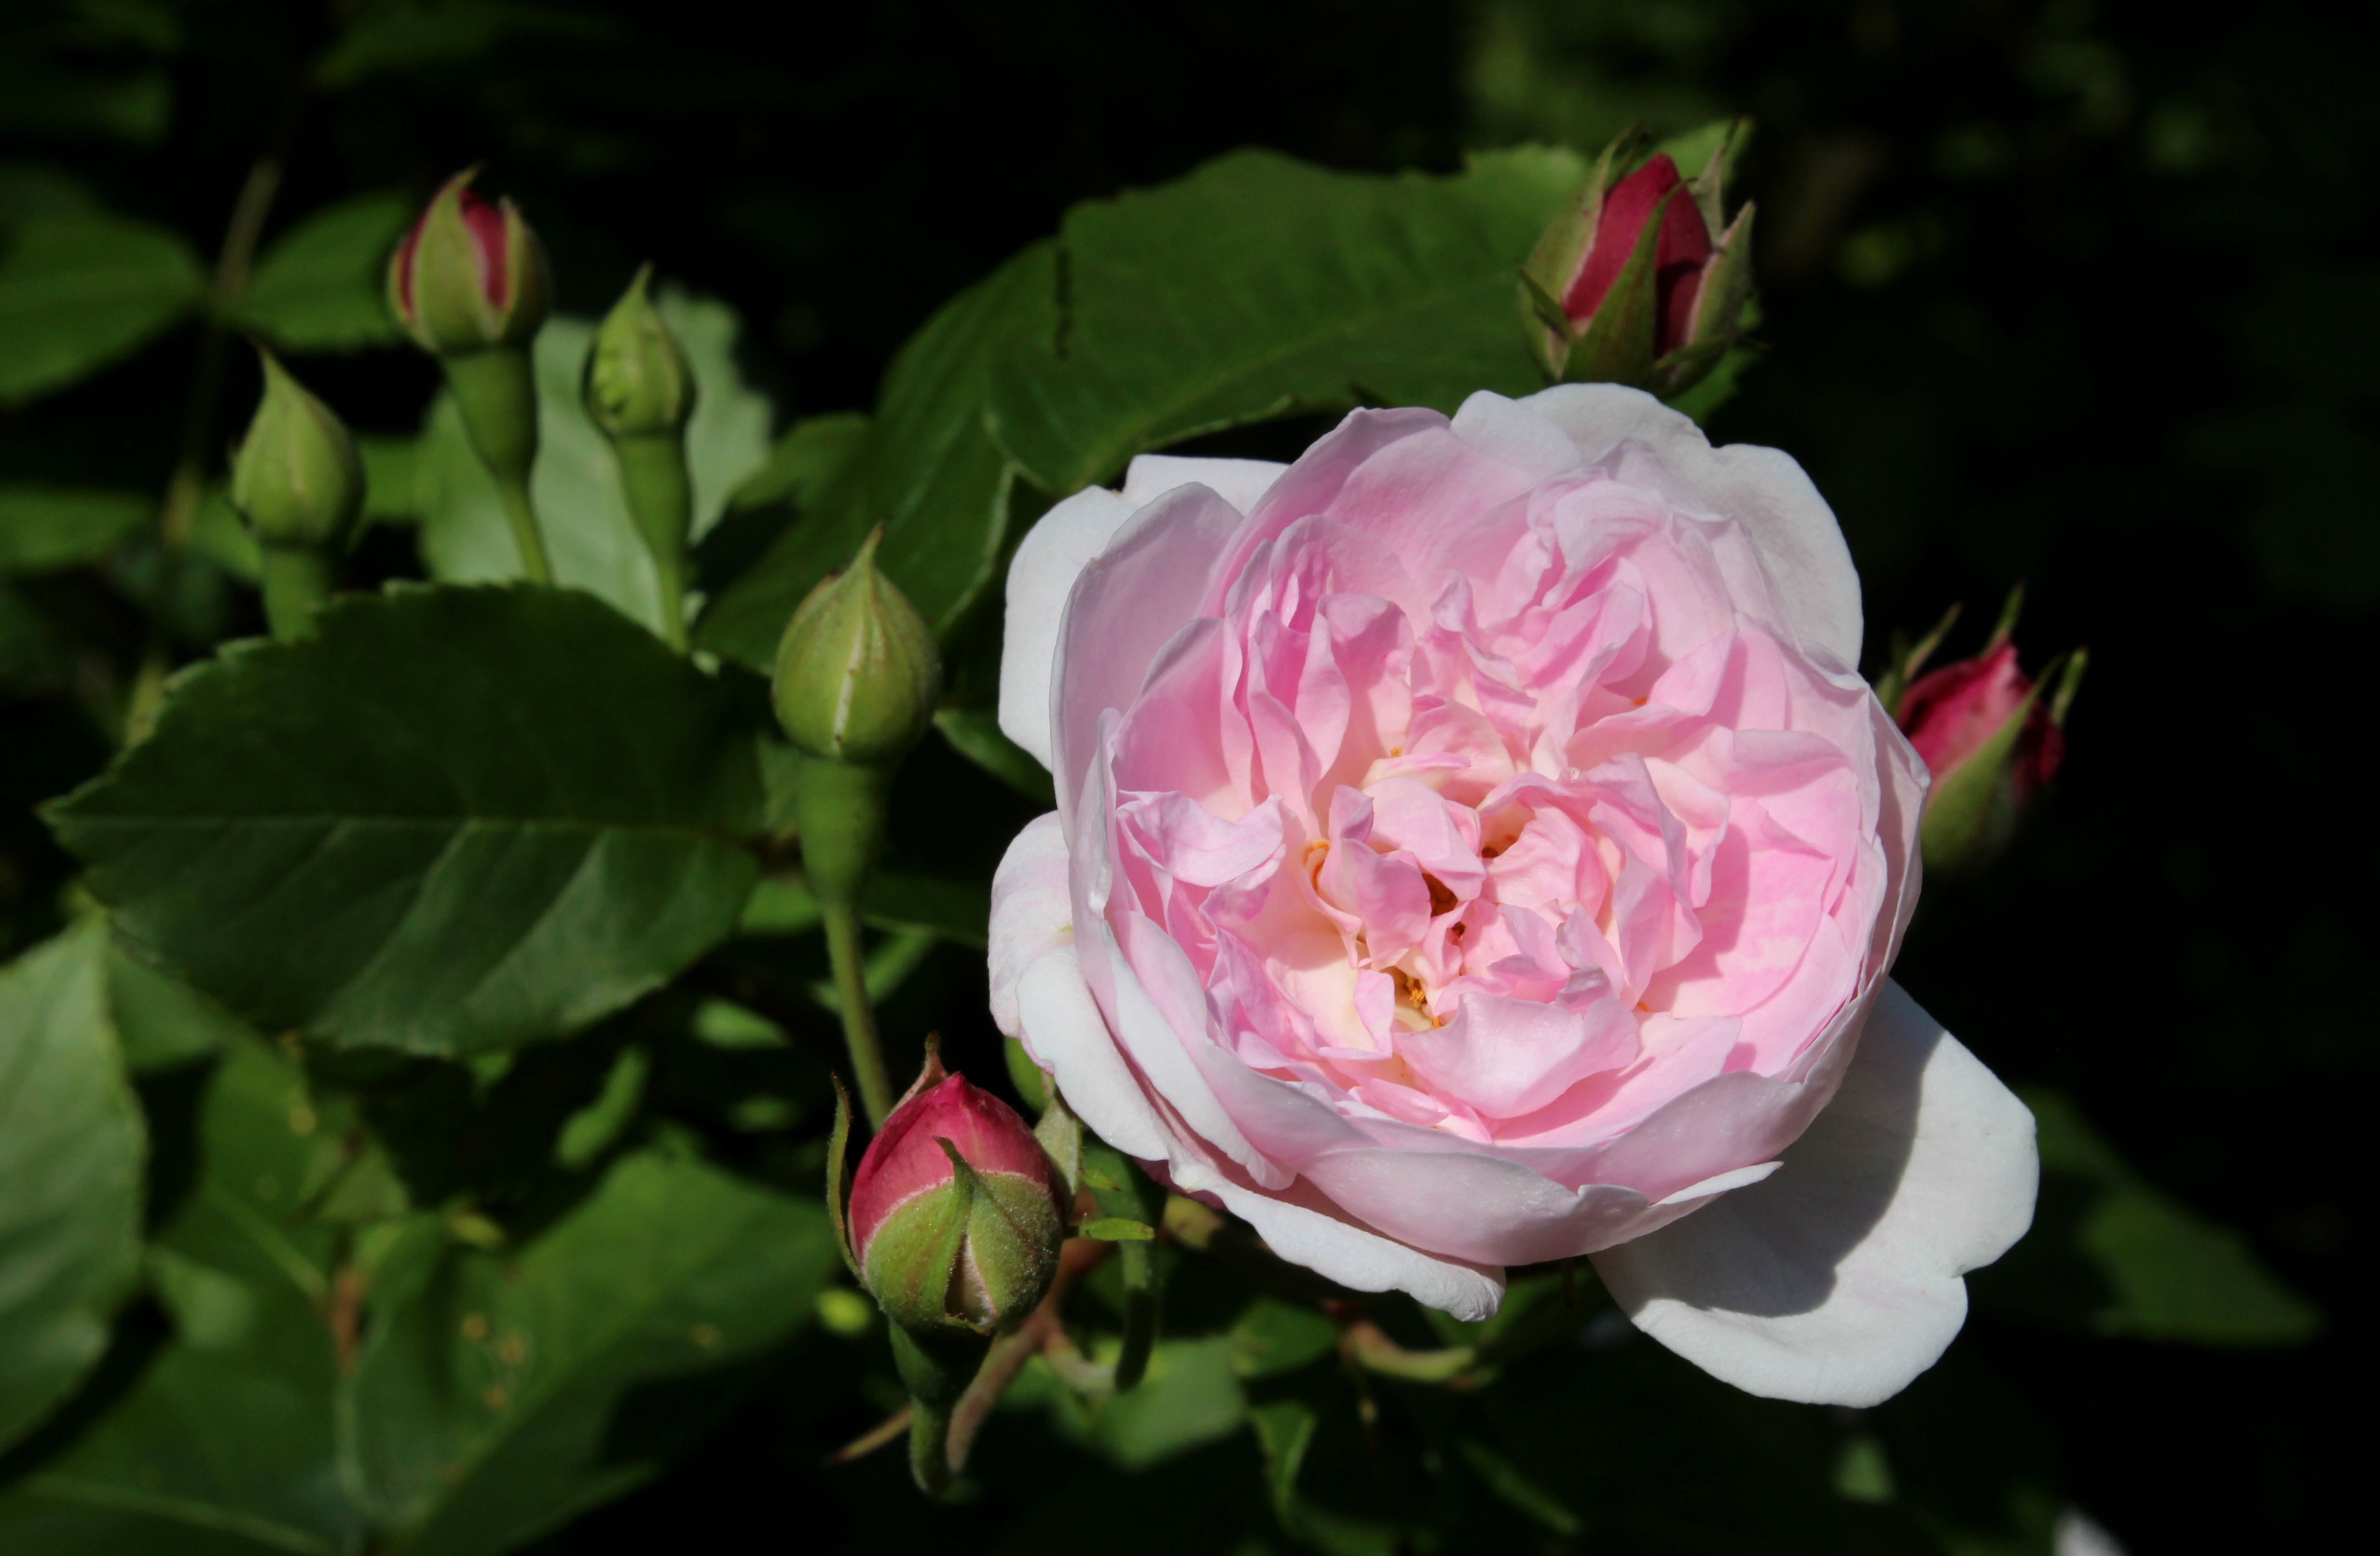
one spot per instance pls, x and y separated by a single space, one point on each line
954 1219
1629 286
1991 741
470 275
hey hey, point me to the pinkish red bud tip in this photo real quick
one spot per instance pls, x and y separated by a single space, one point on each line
1949 713
906 1159
1680 253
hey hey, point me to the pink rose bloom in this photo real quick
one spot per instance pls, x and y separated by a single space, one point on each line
1474 848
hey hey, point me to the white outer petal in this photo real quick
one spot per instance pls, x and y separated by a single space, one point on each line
1241 483
1061 1027
1837 1280
1788 522
1053 554
1360 1261
1032 912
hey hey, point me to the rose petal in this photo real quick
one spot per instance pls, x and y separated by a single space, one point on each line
1032 912
1837 1279
1053 554
1808 562
1241 483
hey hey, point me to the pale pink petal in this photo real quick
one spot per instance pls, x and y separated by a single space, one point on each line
1241 483
1032 912
1837 1279
1051 557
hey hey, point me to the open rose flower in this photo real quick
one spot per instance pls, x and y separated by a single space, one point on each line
1472 850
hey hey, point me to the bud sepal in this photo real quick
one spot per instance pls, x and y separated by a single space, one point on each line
469 275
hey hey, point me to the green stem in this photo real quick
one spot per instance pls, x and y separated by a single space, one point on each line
839 811
661 499
930 1454
858 1020
296 581
496 391
936 1369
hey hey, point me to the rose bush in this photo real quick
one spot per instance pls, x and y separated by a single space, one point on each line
1474 847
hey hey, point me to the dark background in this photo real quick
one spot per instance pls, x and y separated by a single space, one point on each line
2082 295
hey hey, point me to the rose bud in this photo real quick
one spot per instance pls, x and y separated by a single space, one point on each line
639 389
297 481
469 284
1992 743
1629 286
954 1220
857 674
469 275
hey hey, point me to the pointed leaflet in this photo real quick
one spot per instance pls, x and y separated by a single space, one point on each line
926 470
1259 287
71 1156
463 819
78 290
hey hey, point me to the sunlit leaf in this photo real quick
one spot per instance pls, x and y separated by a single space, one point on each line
462 819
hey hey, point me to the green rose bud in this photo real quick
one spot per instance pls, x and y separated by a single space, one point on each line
857 672
639 381
296 476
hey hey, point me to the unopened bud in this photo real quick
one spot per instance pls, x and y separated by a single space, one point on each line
469 275
954 1220
1642 281
1993 741
857 672
296 476
639 381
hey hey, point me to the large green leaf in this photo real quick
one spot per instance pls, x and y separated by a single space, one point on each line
931 473
575 483
71 1154
1258 288
47 527
79 291
499 1396
227 1440
320 286
2111 1254
462 819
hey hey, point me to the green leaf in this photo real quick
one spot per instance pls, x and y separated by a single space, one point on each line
77 292
1507 1480
496 1398
575 483
1258 288
976 735
461 819
226 1441
71 1154
405 35
1274 1337
160 1020
1189 1397
43 527
2111 1254
1116 1229
928 470
320 286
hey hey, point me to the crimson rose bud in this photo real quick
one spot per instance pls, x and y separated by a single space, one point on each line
1992 743
470 275
954 1216
1629 286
